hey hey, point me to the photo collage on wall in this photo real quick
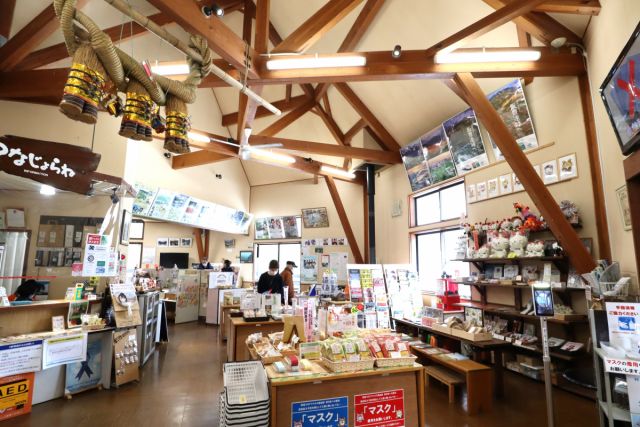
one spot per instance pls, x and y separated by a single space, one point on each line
166 205
456 147
554 171
279 227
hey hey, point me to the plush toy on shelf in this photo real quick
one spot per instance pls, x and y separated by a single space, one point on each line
530 221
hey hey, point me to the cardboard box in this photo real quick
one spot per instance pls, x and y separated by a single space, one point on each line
484 336
441 328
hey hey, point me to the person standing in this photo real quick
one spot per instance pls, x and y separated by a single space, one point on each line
270 282
205 264
226 267
287 279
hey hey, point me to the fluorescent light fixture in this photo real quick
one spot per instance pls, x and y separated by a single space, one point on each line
270 156
316 62
338 172
47 190
170 68
198 137
487 56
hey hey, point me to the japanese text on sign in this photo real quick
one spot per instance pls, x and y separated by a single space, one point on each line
37 165
622 366
382 409
332 412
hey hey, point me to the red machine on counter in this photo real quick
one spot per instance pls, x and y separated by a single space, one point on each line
447 294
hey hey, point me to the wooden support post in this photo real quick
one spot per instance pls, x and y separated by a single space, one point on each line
542 198
344 220
198 235
595 169
206 242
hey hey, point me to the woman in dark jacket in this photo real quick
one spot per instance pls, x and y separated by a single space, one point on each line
270 282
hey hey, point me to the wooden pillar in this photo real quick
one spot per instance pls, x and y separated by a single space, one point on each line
542 198
602 225
206 242
198 235
344 220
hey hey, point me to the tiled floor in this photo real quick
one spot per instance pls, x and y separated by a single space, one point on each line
180 385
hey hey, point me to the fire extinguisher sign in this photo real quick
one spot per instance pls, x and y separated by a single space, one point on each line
381 409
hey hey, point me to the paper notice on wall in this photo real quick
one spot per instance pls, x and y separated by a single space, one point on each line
64 349
99 258
20 357
148 256
623 319
338 264
309 271
381 409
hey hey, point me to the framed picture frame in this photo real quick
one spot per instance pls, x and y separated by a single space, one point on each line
174 242
618 97
622 195
498 271
471 193
506 185
481 191
315 218
186 242
246 257
475 314
568 167
550 172
492 188
136 229
162 242
517 185
125 226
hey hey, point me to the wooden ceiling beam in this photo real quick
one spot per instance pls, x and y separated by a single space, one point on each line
331 124
262 25
196 158
351 133
374 156
524 41
537 190
59 51
374 124
247 107
285 120
30 36
222 40
578 7
358 30
283 105
539 25
316 26
6 17
490 22
344 220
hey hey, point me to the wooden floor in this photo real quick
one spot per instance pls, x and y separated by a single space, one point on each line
180 386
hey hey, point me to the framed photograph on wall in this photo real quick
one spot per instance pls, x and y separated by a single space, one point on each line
246 257
517 185
550 172
315 218
162 242
619 97
186 242
623 201
492 188
505 184
568 167
481 191
471 193
136 230
174 242
125 227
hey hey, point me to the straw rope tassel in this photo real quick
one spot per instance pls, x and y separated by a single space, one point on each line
178 125
138 111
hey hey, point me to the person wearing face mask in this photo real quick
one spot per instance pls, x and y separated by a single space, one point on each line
270 282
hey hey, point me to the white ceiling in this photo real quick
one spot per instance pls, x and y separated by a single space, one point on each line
406 108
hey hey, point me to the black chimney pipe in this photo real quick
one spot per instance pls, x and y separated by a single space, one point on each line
371 193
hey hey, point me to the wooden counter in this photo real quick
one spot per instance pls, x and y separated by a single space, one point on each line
225 319
321 384
239 330
36 317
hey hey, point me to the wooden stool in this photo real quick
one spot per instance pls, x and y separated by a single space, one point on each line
446 377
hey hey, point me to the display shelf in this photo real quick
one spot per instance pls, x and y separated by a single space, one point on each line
518 285
509 311
568 387
512 260
553 354
617 413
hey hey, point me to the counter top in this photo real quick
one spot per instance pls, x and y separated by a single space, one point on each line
46 304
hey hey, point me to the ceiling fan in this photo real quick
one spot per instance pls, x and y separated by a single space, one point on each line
244 148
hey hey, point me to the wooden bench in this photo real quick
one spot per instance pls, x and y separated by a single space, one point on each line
446 377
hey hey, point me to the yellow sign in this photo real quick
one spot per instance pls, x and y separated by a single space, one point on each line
15 395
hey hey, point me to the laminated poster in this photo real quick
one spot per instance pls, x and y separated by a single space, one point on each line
309 271
144 199
20 357
436 150
416 165
161 205
510 103
331 412
16 392
465 141
381 409
64 349
99 257
88 374
178 207
276 228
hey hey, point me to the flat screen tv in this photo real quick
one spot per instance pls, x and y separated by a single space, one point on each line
620 92
169 259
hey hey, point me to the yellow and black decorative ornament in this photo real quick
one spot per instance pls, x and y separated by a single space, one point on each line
176 139
86 86
138 113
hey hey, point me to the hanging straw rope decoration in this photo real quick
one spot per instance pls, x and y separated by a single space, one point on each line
176 138
138 111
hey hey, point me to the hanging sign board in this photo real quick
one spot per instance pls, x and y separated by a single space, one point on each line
99 258
333 412
63 166
381 409
20 357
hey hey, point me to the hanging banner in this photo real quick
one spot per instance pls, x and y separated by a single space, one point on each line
16 394
63 166
65 349
332 412
20 357
99 258
381 409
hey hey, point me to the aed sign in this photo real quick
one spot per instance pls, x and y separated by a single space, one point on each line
15 395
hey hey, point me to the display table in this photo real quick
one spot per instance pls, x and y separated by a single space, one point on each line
225 319
478 379
239 330
404 384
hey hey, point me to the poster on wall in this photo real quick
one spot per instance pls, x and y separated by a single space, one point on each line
85 375
338 264
331 412
20 357
262 229
465 141
623 319
16 394
510 103
191 212
144 199
161 204
99 258
125 305
436 150
380 409
64 349
178 207
416 165
276 228
290 227
280 227
309 271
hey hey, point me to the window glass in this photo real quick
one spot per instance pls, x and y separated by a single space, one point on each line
428 209
453 202
429 256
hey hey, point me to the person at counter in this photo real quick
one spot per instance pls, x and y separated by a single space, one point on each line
26 291
205 264
270 281
287 279
226 266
